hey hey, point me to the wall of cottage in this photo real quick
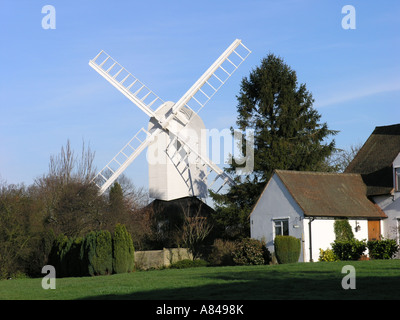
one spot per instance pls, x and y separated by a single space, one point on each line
391 206
275 203
322 235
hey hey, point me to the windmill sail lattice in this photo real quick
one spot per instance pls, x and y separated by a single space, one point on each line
192 102
125 82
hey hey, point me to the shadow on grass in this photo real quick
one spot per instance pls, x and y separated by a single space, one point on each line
256 285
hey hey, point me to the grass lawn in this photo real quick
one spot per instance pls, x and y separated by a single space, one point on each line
377 279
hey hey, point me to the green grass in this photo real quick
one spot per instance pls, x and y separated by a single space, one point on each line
377 279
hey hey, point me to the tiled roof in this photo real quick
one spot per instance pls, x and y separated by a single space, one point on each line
375 158
335 195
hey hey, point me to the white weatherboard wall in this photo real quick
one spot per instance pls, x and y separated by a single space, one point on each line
391 206
166 181
275 203
323 234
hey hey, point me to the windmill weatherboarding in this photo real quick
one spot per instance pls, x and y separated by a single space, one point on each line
178 164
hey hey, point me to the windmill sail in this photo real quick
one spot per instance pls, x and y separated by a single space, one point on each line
180 159
123 159
126 83
184 111
211 81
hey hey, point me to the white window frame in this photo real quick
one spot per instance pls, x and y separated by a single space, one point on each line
396 179
275 220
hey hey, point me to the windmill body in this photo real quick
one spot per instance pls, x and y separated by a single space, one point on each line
178 164
171 174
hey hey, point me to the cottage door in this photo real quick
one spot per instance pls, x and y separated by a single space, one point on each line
374 230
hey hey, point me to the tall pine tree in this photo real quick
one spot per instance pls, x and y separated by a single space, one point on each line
287 135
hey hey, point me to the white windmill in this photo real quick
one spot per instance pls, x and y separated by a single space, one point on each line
178 164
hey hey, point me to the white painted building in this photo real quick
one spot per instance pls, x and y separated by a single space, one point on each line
305 205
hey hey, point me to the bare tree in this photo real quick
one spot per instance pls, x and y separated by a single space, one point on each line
67 167
137 197
194 230
341 158
71 202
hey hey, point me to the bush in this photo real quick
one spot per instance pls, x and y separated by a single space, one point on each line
187 263
349 250
102 262
251 252
221 253
327 255
96 253
287 249
123 250
73 262
57 255
382 249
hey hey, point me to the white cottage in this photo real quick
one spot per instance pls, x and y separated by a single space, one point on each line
305 204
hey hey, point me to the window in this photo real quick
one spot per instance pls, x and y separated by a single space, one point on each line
281 227
397 179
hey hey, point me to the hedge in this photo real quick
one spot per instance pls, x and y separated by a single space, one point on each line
349 250
382 249
287 249
98 253
187 263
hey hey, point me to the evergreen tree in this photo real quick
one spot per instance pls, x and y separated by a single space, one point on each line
343 230
117 209
123 250
116 198
287 135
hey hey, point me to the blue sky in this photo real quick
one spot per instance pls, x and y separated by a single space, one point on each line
48 92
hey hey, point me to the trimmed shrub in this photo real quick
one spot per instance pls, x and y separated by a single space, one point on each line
221 253
103 258
382 249
349 250
57 255
96 253
327 255
287 249
73 263
187 263
88 251
123 250
251 252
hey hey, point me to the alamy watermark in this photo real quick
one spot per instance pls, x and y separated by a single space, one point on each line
49 20
49 281
349 20
349 280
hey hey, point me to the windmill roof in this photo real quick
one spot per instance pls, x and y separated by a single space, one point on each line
375 158
336 195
